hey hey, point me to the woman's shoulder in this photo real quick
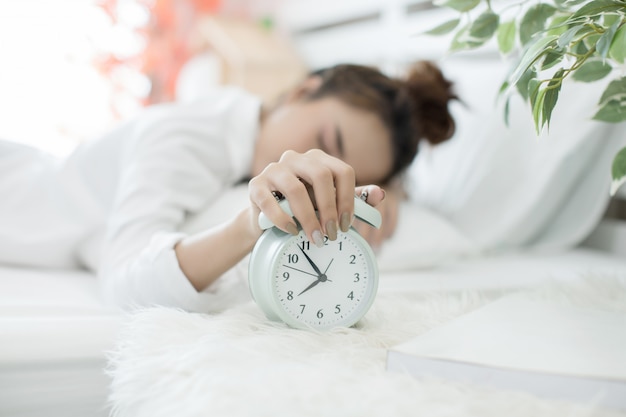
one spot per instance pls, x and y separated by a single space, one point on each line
228 114
215 108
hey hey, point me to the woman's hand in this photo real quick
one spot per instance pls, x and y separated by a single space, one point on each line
310 181
388 204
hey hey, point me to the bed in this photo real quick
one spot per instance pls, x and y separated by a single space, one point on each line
54 332
57 339
64 353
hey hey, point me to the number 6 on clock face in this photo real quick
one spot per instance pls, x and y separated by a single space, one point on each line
309 287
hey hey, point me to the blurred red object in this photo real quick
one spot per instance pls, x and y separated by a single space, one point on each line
169 42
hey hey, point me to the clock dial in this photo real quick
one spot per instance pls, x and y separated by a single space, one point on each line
327 286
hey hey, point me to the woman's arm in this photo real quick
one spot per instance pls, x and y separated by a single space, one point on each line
147 261
310 181
205 256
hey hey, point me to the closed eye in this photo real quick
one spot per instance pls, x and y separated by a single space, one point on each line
339 140
320 143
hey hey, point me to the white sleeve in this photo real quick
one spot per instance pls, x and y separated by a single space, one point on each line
169 172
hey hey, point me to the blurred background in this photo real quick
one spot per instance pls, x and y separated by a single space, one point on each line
69 69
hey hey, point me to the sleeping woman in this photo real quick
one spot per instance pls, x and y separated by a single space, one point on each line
116 204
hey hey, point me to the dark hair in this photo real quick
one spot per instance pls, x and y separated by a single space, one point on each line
414 108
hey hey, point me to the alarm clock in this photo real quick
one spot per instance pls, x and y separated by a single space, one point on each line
309 287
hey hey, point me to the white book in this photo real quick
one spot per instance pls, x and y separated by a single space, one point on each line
545 348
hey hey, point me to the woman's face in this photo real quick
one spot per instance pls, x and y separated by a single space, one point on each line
356 136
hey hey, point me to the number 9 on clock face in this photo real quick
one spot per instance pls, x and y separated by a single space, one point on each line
310 287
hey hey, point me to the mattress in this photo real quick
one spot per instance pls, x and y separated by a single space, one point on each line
237 363
55 332
506 271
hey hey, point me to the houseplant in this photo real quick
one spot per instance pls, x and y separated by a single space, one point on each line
551 40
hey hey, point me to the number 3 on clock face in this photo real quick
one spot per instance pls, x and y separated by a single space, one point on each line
309 287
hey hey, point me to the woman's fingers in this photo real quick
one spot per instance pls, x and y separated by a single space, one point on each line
375 197
375 194
310 181
322 174
388 205
332 181
264 200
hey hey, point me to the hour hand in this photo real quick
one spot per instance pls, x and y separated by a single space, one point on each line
313 284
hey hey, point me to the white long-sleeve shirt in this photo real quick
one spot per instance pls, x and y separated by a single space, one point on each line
118 204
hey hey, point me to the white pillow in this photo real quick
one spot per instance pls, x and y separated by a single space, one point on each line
230 202
505 187
422 239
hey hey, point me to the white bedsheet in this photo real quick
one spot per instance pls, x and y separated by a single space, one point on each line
512 270
238 364
55 332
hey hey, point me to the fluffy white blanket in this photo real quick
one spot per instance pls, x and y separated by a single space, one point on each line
237 363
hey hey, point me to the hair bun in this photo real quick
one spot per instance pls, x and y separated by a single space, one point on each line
430 93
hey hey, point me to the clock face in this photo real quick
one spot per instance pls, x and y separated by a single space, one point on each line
324 287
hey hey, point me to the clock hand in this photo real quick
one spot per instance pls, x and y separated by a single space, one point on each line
315 268
299 270
326 270
313 284
322 278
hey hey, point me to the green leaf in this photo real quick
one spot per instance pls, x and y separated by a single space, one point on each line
484 26
610 19
618 170
579 48
458 5
503 87
597 7
591 40
507 111
552 58
567 4
592 71
523 83
444 28
459 40
572 3
534 21
538 108
616 90
552 95
506 37
558 25
533 52
604 43
533 88
569 35
612 111
617 51
462 40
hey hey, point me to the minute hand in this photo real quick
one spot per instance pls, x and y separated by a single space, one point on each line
315 268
